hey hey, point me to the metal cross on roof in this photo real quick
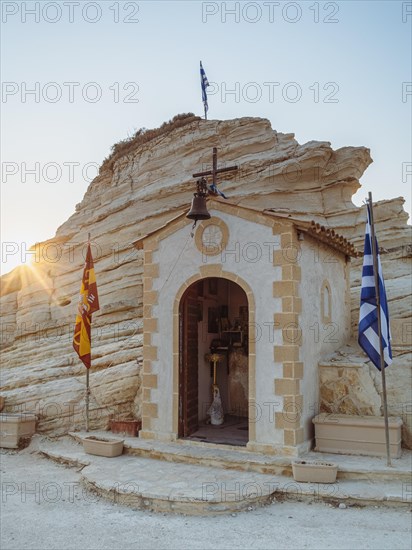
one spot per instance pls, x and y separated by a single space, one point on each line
215 170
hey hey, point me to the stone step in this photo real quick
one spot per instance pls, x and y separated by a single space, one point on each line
226 457
163 486
194 452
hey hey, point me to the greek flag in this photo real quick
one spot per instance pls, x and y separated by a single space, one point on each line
368 318
216 190
204 83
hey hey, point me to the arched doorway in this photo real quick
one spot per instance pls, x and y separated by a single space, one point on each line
214 319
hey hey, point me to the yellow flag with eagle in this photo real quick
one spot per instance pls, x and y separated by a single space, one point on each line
88 304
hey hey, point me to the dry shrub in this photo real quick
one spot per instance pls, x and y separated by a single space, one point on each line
143 135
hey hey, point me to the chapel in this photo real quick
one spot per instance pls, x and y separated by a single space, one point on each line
246 301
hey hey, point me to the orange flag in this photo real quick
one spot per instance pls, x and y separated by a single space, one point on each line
88 304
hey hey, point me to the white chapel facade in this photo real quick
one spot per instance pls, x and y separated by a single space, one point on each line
270 296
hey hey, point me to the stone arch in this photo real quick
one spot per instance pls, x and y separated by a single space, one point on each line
203 273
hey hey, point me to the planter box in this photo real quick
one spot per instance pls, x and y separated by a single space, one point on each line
125 427
16 426
314 472
359 435
103 447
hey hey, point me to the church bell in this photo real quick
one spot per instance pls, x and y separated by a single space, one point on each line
198 211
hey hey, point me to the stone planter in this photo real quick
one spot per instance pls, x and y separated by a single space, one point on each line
359 435
14 427
128 428
103 447
314 472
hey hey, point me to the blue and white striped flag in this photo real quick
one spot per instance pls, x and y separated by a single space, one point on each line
204 83
368 317
216 190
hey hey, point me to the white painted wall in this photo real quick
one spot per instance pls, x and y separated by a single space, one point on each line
248 255
318 263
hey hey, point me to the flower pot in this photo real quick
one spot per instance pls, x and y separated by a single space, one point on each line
314 472
359 435
103 447
125 427
14 427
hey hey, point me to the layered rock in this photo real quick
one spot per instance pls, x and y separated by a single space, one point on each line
133 194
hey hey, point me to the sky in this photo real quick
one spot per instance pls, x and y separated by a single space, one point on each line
79 76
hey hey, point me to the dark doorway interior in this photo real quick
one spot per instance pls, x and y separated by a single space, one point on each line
213 320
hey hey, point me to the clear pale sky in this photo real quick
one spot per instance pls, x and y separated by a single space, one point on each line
342 70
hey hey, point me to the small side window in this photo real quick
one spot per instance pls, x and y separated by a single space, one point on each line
326 302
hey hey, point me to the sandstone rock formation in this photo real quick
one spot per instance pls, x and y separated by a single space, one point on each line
140 187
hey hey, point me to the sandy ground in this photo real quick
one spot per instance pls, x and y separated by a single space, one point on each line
44 507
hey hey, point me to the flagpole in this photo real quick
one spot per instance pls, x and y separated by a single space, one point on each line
205 113
88 376
378 307
87 399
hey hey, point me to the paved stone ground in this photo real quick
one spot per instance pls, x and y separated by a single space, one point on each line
198 489
45 507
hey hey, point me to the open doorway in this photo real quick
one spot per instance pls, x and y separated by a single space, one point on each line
213 362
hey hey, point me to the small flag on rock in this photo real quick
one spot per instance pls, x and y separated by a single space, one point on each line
204 83
368 317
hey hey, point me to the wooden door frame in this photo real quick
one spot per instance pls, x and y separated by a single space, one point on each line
184 429
181 367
